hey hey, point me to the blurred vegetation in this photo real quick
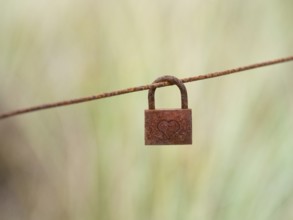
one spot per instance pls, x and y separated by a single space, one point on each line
89 161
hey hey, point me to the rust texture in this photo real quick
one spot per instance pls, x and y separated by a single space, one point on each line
168 126
172 80
141 88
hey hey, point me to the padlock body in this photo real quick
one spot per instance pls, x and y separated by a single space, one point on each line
168 126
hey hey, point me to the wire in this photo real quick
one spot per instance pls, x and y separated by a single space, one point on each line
141 88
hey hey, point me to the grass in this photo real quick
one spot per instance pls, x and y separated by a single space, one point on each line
89 161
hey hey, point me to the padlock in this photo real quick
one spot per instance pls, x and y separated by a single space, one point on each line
168 126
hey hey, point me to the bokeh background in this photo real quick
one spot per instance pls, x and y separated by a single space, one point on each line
89 161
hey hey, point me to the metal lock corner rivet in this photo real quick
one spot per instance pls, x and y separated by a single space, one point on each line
168 126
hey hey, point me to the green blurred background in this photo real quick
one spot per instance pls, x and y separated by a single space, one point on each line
89 161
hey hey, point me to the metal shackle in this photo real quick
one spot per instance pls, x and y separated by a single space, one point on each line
171 80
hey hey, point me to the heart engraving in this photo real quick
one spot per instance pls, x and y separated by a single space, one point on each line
169 128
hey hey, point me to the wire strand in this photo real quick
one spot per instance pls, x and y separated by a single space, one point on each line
141 88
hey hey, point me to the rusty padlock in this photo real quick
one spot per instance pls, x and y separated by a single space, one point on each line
168 126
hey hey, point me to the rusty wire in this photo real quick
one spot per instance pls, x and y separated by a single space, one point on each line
140 88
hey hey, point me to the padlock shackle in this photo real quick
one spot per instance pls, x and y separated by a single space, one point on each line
171 80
